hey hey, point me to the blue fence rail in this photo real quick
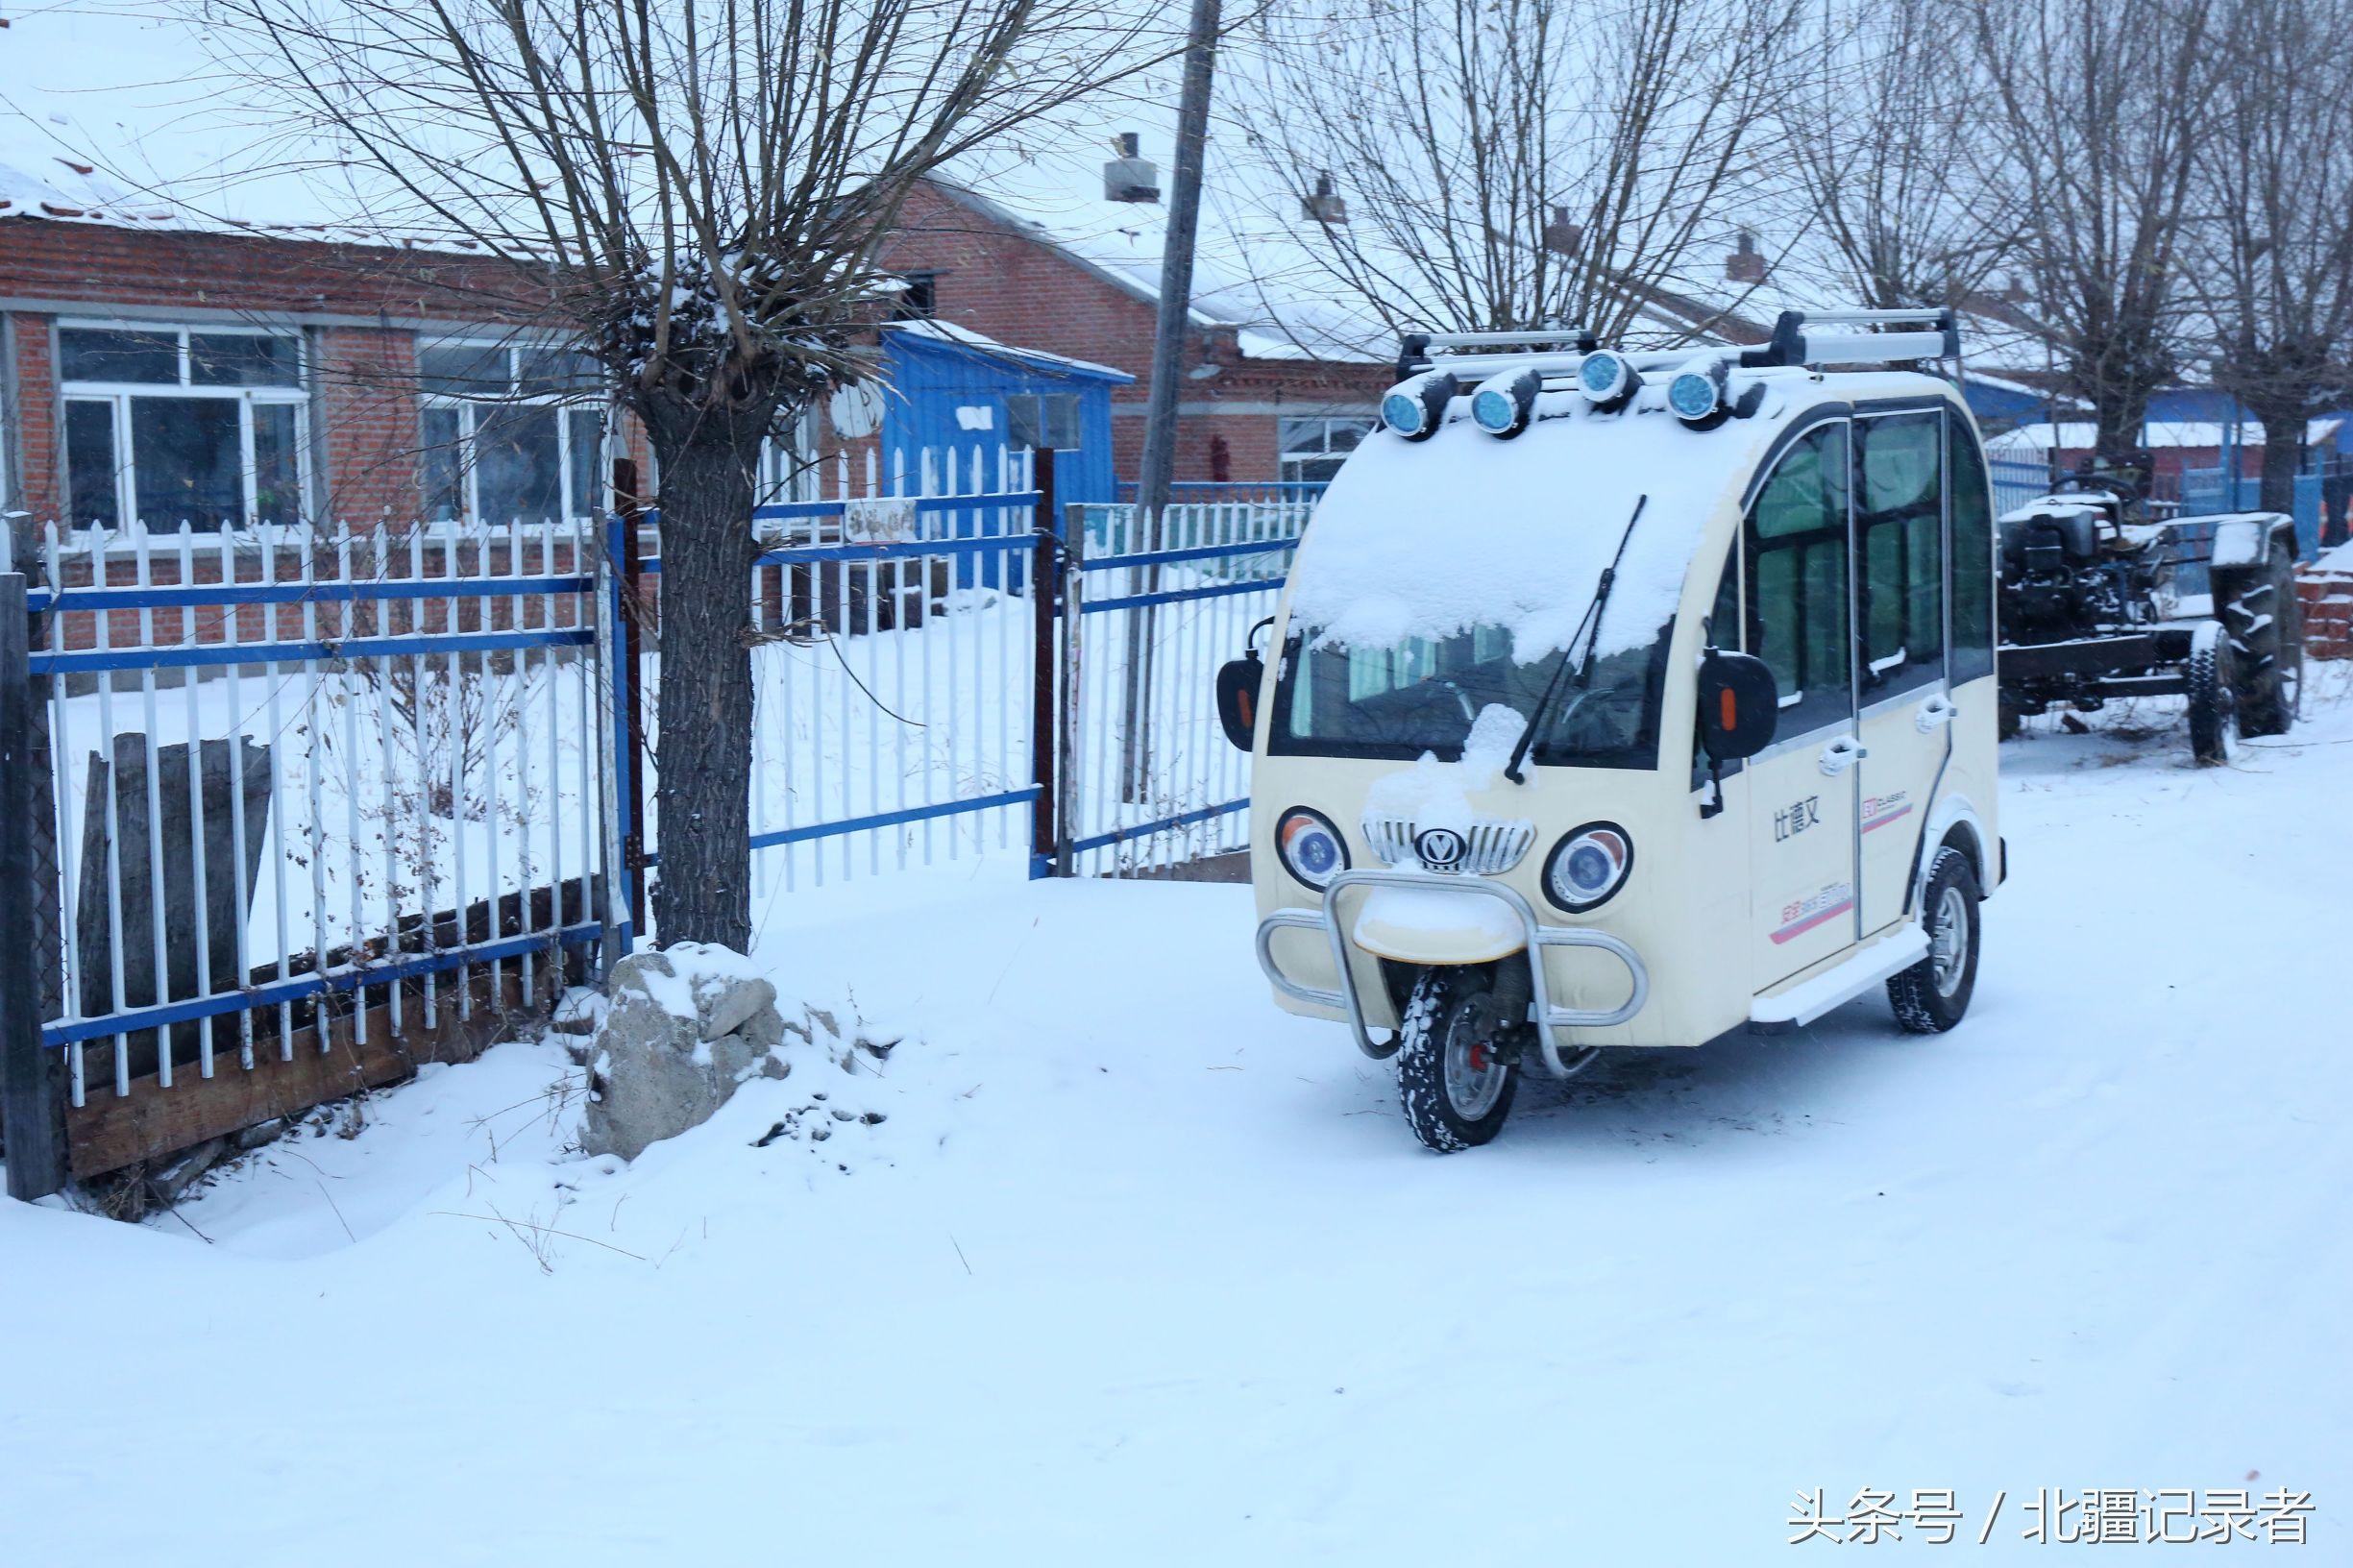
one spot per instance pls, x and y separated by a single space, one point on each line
311 788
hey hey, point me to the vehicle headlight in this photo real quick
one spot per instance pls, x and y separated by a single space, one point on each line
1311 848
1606 378
1588 866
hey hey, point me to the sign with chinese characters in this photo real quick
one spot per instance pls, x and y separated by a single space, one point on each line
2056 1516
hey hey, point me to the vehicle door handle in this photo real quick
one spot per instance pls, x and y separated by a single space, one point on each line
1939 709
1842 754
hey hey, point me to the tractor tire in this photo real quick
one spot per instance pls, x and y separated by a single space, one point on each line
1453 1079
1933 994
2266 621
2007 721
2213 708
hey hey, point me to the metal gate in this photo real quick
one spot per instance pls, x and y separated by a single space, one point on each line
1152 782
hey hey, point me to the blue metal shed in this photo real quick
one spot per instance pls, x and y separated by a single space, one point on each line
951 389
2004 405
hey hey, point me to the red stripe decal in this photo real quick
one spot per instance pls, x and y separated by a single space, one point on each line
1813 920
1883 821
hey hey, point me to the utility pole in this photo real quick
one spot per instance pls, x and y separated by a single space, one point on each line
1176 288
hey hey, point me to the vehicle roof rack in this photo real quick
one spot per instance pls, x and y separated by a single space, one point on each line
1813 339
1414 348
1801 338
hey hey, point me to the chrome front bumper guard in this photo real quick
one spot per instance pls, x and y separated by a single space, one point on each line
1541 1010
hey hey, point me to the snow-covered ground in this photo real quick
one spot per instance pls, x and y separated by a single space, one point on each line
1138 1269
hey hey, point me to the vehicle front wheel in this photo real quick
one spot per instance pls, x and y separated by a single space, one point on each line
2213 700
1931 995
1454 1075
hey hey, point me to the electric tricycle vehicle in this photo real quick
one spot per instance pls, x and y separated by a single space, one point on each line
1629 699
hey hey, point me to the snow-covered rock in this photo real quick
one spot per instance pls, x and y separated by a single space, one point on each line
685 1027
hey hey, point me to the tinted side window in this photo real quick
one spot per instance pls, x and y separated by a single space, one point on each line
1900 525
1972 559
1796 543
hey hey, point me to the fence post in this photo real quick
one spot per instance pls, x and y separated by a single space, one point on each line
631 507
1046 604
1073 649
618 813
32 1101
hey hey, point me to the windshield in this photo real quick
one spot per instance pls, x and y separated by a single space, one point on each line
1421 694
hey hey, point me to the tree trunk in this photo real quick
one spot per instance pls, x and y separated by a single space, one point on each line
2283 455
703 753
2116 426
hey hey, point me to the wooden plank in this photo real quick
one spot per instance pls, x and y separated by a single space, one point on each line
152 1122
29 1079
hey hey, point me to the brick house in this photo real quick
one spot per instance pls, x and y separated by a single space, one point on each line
178 374
1274 391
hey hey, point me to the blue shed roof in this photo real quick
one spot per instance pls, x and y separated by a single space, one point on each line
948 341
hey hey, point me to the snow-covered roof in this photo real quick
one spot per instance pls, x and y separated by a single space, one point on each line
118 116
2069 436
1252 270
964 337
1261 267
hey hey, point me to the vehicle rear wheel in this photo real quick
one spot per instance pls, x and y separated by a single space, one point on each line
1453 1076
2213 708
1931 996
2267 623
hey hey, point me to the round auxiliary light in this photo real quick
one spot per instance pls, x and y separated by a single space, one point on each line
1416 407
1693 396
1503 404
1312 849
1607 377
1586 869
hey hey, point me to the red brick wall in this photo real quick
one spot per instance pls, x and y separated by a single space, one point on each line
34 463
45 260
367 404
365 414
2328 614
1026 293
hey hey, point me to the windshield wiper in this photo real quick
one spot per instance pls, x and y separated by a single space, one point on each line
1589 629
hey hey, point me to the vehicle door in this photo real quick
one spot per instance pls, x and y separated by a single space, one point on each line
1802 787
1903 696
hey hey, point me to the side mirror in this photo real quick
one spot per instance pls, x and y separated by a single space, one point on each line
1739 705
1238 696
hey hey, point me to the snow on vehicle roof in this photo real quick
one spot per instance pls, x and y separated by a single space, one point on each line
1429 539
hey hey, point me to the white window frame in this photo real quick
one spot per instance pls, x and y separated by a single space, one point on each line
470 412
118 394
1290 462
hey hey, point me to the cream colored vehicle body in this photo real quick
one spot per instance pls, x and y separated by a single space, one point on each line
1806 888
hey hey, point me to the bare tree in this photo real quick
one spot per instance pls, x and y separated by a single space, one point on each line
2276 251
2097 112
1517 162
1885 134
703 186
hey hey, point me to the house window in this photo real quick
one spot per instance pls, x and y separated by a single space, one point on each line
1313 448
918 295
170 425
1043 422
505 433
